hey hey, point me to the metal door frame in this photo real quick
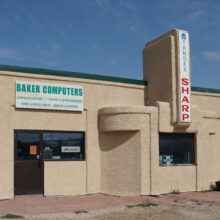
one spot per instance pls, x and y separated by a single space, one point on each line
17 131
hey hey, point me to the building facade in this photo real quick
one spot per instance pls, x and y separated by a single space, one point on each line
69 133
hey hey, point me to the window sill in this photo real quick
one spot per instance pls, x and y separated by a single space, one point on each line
176 165
62 160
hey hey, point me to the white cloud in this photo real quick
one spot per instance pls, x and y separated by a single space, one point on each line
124 10
103 3
197 14
94 47
128 5
52 51
212 55
112 62
10 54
53 63
132 28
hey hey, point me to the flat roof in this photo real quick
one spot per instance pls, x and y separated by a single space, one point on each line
210 90
50 72
30 70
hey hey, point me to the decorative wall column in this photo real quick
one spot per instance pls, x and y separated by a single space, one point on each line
166 62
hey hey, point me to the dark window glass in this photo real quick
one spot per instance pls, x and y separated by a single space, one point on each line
28 146
176 149
63 146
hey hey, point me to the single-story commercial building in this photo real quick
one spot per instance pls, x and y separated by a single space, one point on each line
65 133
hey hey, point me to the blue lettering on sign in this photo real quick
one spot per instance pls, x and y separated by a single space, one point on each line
184 36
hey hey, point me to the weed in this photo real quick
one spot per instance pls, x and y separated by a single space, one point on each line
81 211
110 195
175 200
157 196
12 216
212 187
199 203
175 191
205 190
146 204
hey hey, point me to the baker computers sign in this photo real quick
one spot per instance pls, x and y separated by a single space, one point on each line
39 95
184 78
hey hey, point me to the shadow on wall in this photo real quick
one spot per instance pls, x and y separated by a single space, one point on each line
120 162
110 140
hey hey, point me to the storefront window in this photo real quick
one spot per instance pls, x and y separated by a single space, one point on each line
175 149
63 146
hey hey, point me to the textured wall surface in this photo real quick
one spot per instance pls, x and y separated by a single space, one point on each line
125 140
64 178
97 94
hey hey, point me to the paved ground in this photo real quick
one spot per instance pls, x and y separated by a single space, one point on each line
38 205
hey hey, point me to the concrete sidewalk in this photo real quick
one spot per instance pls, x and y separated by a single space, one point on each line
38 204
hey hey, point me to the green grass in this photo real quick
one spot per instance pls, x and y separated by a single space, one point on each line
12 216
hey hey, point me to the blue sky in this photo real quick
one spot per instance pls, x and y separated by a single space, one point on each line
107 36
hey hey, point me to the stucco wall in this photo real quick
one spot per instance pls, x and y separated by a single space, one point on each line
97 94
206 101
64 178
162 70
110 153
126 136
120 163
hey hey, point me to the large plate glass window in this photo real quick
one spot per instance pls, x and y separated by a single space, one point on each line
176 149
63 146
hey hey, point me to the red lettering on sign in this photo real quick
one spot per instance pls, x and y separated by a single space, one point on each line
185 90
185 108
185 116
185 99
185 81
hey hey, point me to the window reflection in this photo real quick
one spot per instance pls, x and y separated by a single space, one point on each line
63 146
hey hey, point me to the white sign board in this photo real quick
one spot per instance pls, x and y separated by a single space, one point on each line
70 149
184 80
39 95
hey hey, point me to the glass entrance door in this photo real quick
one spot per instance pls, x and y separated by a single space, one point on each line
28 163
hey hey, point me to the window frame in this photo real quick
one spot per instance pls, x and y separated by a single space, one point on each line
40 132
194 150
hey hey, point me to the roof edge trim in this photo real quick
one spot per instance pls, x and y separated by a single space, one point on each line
209 90
70 74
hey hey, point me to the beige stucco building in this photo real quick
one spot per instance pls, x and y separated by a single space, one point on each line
128 137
